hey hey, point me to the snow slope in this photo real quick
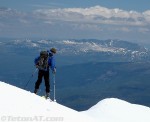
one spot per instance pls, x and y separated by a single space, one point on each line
19 105
115 110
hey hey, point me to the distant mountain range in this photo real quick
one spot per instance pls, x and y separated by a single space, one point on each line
98 50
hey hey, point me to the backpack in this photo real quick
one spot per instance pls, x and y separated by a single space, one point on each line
43 60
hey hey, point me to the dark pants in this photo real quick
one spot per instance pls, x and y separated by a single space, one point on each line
42 74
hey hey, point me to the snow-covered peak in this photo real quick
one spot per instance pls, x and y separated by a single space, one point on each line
117 110
20 105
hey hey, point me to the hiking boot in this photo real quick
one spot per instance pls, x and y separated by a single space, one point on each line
47 96
35 91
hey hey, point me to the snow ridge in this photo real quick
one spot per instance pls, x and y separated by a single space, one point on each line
28 106
116 109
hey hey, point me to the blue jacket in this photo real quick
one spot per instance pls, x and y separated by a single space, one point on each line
51 61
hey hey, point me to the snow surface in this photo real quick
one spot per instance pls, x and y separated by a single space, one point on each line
17 104
20 105
115 110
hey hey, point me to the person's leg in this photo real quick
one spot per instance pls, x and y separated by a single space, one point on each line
47 83
38 82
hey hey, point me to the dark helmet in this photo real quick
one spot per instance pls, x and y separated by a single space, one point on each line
53 50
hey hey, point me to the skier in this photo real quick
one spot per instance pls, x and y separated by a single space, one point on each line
43 62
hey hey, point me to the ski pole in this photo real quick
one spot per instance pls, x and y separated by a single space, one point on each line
54 88
30 78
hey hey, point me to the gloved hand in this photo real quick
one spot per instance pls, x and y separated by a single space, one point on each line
54 71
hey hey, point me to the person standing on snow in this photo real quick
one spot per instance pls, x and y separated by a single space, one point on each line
44 62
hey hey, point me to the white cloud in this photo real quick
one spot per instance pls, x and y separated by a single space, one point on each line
123 29
8 12
146 15
97 15
88 27
88 16
95 22
144 30
24 21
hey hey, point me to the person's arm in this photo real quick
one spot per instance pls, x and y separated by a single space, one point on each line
52 64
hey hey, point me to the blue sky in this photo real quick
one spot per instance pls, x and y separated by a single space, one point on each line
101 19
27 5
